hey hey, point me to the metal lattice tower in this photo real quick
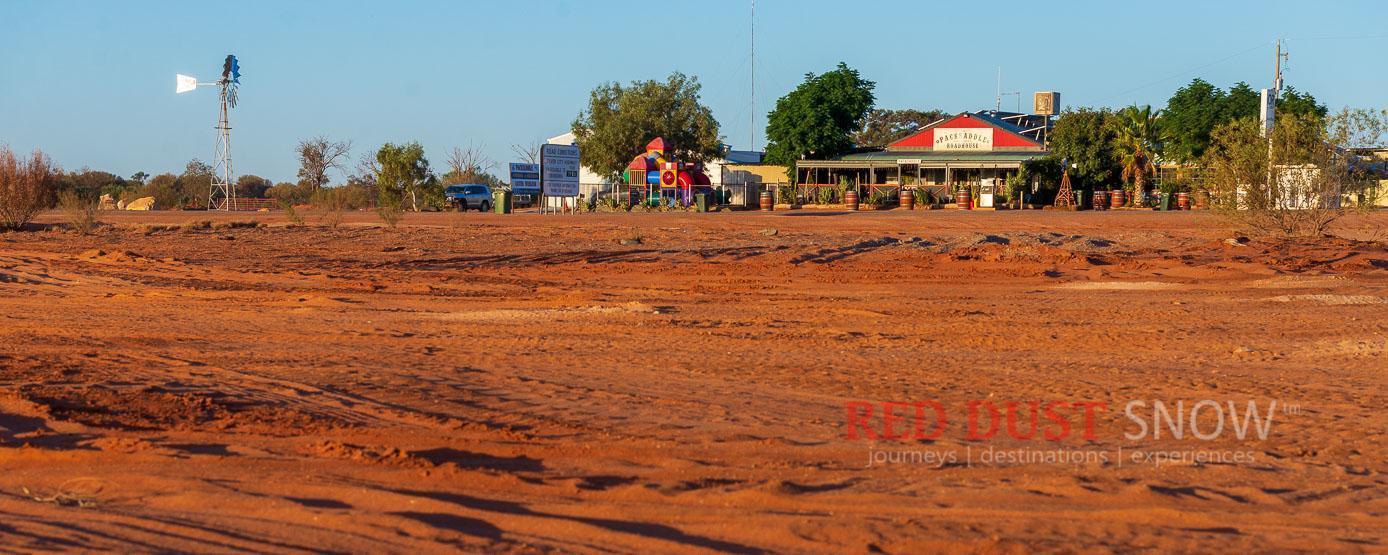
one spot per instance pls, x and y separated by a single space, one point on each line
222 194
1065 198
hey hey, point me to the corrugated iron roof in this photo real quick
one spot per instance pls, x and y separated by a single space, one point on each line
939 156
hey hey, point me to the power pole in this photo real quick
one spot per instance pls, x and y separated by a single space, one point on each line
752 107
1277 67
1269 115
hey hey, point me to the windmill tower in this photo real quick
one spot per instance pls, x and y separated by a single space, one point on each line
222 193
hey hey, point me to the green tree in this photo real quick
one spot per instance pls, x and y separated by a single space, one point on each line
1241 102
1300 186
1295 103
1137 140
818 118
620 121
1196 109
292 194
194 185
164 188
252 186
403 178
1190 115
1084 138
883 127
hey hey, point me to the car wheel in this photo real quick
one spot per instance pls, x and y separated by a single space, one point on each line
486 207
462 206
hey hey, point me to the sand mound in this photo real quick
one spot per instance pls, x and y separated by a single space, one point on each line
1331 299
532 314
1121 286
1299 282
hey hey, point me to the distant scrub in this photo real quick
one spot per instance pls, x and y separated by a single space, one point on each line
26 187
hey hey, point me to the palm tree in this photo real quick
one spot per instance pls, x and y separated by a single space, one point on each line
1139 141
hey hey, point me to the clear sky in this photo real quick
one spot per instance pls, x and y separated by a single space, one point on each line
92 83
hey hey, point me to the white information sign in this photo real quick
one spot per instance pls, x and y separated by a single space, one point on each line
559 168
964 139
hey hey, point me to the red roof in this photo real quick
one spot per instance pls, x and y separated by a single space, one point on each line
1004 136
641 162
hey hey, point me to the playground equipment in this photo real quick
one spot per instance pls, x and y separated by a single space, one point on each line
654 180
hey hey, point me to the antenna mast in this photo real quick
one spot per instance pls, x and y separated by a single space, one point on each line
997 101
752 106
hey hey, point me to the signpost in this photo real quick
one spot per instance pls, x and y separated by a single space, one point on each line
559 168
525 179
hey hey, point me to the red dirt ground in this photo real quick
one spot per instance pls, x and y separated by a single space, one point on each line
551 383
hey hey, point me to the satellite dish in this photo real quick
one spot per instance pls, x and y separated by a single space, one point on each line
186 83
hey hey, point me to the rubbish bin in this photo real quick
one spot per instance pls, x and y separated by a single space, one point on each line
501 201
701 202
1165 201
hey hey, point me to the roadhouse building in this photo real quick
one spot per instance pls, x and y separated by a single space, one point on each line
965 150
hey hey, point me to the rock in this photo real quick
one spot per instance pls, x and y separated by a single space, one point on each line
146 203
770 232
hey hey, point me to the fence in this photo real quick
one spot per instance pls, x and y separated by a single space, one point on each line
252 204
738 194
883 194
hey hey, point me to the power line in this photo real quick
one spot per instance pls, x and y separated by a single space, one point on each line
1183 73
1342 37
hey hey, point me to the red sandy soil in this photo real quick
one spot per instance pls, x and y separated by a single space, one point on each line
548 383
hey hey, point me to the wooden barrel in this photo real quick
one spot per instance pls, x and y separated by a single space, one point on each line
907 199
768 201
1100 200
1117 198
1183 201
850 199
1202 200
964 200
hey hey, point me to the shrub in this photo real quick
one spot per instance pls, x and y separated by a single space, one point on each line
785 194
164 188
333 201
1297 189
826 195
289 193
26 187
883 197
80 212
390 213
291 213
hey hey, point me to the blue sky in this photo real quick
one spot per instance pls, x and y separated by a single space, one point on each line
91 83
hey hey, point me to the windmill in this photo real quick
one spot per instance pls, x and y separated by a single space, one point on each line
222 194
